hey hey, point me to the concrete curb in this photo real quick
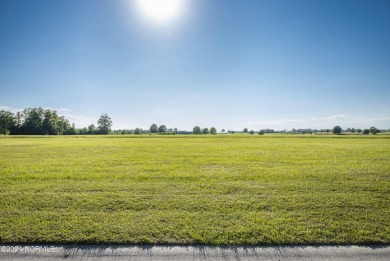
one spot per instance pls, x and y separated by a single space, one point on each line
184 253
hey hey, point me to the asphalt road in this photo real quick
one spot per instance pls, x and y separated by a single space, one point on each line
184 253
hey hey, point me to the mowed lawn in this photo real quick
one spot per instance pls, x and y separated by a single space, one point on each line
224 189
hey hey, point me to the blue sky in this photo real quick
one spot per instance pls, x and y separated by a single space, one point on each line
228 64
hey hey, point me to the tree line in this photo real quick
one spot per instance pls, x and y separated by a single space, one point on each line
38 121
163 130
372 130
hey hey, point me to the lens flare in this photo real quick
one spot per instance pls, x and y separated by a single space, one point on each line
161 10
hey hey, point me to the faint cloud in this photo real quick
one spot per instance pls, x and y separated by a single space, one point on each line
344 120
338 117
64 110
378 119
11 109
74 117
5 108
60 110
275 124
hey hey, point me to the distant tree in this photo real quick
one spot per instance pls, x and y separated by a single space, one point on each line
337 130
50 122
196 130
223 130
82 131
205 131
104 124
366 131
359 130
17 126
261 132
33 120
162 129
373 130
69 129
137 131
91 129
245 130
353 130
62 124
213 130
7 122
153 128
37 121
251 132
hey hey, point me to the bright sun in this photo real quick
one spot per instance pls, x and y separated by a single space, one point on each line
161 10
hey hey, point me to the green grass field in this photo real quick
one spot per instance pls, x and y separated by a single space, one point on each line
224 189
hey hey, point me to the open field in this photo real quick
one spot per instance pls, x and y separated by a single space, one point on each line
224 189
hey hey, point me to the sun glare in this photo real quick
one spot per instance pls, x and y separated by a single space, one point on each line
161 10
